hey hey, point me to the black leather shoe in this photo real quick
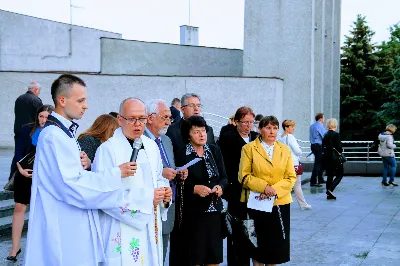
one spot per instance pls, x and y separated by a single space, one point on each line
322 181
315 185
393 184
330 197
14 258
385 184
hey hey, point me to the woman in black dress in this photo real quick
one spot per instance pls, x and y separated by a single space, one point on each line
26 143
202 190
102 129
332 147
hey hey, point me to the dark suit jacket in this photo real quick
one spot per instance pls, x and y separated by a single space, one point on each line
89 144
24 142
167 225
231 145
176 115
25 110
174 133
193 203
227 128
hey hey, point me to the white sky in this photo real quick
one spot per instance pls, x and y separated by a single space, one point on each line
220 21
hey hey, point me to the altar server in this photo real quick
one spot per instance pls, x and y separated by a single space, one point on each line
138 242
62 226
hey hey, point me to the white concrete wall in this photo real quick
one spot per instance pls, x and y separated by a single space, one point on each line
287 39
33 44
144 58
220 95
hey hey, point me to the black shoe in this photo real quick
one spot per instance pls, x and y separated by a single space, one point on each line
322 181
315 185
393 184
330 197
330 194
385 184
14 258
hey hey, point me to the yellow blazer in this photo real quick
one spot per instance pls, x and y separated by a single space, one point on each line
259 171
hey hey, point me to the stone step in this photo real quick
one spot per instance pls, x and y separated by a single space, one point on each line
6 224
6 195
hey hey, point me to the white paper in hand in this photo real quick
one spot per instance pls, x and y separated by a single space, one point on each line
264 205
192 162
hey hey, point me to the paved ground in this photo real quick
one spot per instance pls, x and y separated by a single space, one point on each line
362 227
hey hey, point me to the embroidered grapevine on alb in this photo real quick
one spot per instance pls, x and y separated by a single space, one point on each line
118 241
134 248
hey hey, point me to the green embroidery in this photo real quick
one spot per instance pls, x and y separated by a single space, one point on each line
117 249
134 243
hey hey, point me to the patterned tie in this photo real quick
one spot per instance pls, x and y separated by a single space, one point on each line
166 162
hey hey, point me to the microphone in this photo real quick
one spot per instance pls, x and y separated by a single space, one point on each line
136 147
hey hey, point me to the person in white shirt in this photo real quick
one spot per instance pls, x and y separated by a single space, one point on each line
63 219
288 139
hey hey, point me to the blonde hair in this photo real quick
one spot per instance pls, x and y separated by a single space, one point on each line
288 123
331 123
103 128
392 128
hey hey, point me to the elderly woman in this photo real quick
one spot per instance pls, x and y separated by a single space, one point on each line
386 150
266 167
288 139
102 129
231 147
203 188
332 147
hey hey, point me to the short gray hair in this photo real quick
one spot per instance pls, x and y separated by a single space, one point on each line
129 99
152 106
189 95
34 85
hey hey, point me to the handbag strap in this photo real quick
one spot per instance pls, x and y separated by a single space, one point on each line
333 147
280 218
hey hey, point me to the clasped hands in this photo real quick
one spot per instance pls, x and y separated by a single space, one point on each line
204 191
162 194
268 192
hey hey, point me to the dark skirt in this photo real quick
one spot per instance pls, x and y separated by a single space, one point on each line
272 247
204 238
22 189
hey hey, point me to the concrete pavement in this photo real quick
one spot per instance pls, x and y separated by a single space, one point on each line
362 227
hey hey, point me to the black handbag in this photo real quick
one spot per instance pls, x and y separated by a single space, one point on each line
226 223
339 156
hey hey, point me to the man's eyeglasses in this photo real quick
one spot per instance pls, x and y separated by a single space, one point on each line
132 120
246 122
165 117
191 105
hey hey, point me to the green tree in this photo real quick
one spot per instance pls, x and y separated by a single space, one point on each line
361 89
391 109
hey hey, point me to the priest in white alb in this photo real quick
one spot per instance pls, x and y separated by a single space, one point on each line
63 219
139 241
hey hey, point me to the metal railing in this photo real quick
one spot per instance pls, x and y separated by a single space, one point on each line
355 151
215 121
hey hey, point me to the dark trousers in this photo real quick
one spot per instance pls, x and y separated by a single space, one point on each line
331 183
13 166
317 170
238 209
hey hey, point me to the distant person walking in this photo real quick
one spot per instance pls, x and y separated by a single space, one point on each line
386 150
288 139
25 109
175 110
317 132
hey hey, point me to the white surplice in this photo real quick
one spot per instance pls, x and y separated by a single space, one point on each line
127 241
63 230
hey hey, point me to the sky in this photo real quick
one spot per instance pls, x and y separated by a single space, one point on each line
220 22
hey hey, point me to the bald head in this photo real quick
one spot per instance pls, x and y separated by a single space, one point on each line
132 117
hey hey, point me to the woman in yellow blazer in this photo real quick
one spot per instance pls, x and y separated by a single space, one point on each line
266 167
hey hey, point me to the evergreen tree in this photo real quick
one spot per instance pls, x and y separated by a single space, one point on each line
391 109
361 90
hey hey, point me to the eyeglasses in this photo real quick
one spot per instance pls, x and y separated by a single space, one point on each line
132 120
192 105
246 122
165 117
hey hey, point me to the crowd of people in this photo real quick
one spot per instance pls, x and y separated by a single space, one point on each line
151 178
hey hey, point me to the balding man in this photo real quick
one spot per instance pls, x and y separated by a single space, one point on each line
137 242
25 108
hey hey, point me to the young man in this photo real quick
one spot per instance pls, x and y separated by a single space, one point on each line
138 241
63 230
317 132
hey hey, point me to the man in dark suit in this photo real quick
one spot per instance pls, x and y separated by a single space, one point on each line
174 108
159 119
231 145
191 105
25 108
